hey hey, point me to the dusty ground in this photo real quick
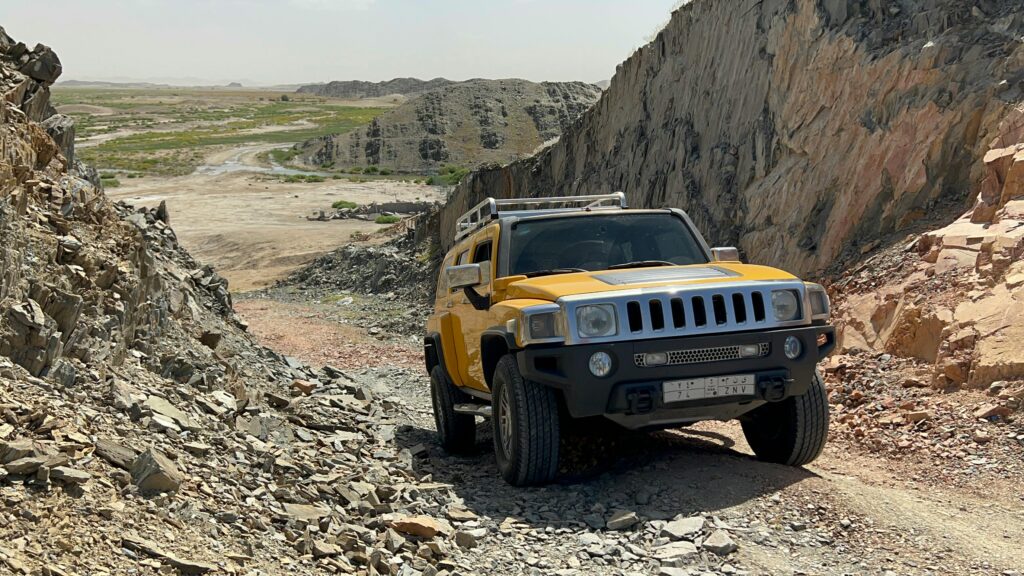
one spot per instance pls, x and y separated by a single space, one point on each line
252 227
851 512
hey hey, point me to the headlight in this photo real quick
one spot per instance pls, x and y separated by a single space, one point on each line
786 305
596 321
539 324
820 307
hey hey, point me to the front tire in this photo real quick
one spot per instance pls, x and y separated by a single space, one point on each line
456 432
792 431
526 426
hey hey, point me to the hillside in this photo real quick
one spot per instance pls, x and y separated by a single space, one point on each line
877 149
354 89
466 124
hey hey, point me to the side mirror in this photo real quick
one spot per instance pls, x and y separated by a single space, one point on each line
725 254
464 276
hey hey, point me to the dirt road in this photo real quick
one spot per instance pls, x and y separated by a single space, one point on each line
252 227
848 513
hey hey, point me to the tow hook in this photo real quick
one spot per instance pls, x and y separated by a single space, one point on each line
640 401
773 389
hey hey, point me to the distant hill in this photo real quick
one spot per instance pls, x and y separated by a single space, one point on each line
105 84
466 124
353 89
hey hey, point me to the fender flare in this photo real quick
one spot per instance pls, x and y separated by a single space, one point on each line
433 353
495 342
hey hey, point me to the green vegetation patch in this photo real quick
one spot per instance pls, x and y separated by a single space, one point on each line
169 131
386 219
344 204
302 178
448 175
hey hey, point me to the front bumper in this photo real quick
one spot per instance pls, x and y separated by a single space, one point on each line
630 389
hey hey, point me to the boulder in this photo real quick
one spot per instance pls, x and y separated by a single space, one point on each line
154 472
62 129
43 65
422 526
681 528
719 543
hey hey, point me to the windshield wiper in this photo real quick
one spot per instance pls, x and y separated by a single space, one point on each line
553 271
641 264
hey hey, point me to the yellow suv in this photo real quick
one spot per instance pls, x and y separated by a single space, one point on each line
577 307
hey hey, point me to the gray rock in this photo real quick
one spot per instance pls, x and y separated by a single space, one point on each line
69 475
687 528
25 466
161 406
622 519
675 550
43 65
154 472
465 540
720 543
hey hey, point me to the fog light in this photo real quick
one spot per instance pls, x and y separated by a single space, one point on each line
600 364
793 348
655 359
750 350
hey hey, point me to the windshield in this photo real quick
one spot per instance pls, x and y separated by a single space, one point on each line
555 245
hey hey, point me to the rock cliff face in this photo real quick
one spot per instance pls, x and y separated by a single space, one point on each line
798 130
355 89
953 297
83 283
468 123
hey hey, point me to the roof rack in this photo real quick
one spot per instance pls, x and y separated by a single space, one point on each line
490 209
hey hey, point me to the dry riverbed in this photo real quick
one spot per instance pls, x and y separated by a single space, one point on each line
252 227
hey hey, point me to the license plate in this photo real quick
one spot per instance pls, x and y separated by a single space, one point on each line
710 387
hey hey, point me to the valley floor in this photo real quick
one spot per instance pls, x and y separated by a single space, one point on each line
250 224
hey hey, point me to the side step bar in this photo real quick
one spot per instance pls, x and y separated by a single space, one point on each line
482 410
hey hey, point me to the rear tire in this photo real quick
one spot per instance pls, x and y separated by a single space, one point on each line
456 432
526 426
792 431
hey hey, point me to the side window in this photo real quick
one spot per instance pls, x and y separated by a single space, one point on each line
463 257
482 256
442 280
482 252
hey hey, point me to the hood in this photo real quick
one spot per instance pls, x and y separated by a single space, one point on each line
553 287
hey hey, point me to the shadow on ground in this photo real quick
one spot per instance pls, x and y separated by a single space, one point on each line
659 475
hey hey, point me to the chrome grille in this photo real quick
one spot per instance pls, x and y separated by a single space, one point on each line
696 311
703 355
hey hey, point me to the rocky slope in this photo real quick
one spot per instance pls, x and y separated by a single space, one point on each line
355 89
798 130
142 429
465 124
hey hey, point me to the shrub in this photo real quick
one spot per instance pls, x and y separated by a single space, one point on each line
341 204
371 169
385 172
355 170
285 98
384 219
110 182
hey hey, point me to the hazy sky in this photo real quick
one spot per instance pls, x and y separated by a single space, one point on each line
291 41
